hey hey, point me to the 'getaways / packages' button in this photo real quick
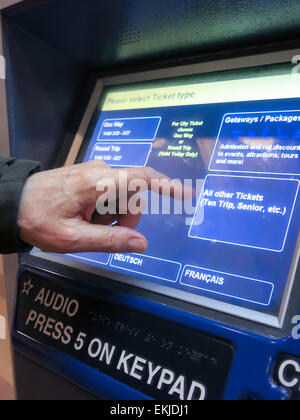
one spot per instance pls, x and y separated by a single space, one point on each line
237 287
148 266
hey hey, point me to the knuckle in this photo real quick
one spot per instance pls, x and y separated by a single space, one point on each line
85 173
99 163
110 242
88 175
148 173
69 239
104 164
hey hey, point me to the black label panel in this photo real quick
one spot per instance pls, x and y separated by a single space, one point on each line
156 357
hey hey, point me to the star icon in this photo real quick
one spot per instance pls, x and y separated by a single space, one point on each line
27 287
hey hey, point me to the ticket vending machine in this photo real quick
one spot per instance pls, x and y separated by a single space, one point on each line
212 310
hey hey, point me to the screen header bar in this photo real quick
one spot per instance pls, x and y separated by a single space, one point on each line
249 89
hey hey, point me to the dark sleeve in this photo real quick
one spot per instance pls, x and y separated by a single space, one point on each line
13 174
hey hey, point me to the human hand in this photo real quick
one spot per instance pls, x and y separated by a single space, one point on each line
57 210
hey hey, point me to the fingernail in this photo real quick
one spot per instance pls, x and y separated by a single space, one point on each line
137 245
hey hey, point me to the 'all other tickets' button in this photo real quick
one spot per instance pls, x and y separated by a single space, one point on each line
230 285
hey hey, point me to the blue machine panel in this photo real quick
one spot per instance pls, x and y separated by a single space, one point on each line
229 259
228 362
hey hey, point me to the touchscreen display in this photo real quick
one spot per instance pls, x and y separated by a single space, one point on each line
238 139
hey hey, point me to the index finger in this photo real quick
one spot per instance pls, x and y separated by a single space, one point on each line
146 178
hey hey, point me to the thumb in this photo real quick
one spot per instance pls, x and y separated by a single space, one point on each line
109 239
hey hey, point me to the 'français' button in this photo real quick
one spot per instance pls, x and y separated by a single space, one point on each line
147 266
230 285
